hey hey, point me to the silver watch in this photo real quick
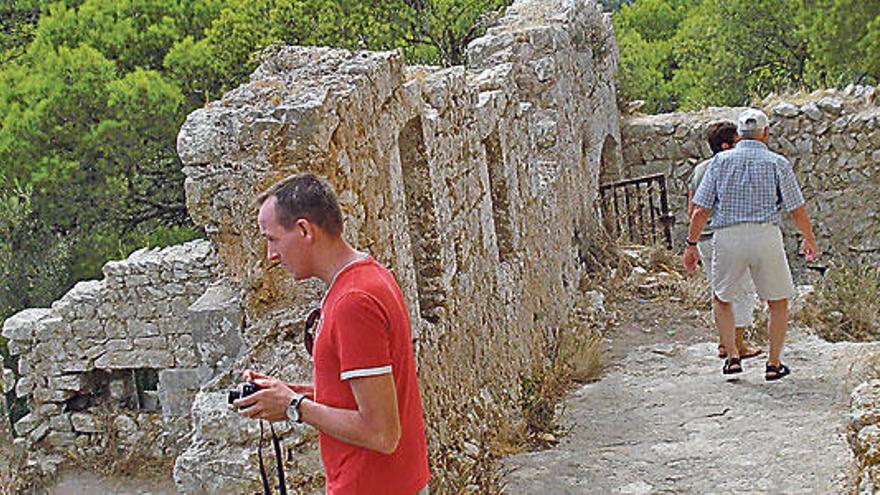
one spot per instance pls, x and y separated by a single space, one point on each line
293 408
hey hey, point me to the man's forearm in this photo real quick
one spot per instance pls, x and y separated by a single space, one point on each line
347 425
698 222
802 222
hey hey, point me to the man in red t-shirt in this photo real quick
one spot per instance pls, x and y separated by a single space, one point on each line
365 399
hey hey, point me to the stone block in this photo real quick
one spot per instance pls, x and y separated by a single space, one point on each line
24 386
138 328
177 388
39 432
22 325
60 440
117 345
811 111
76 366
135 359
786 110
73 382
7 381
52 328
121 389
150 343
124 425
215 320
86 423
27 424
18 347
48 395
50 409
60 422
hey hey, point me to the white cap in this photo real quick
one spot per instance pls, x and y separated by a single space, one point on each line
751 120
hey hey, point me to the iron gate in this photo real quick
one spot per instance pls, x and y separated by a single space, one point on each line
637 210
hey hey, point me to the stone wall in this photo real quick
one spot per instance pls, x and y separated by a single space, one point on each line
832 139
120 344
473 184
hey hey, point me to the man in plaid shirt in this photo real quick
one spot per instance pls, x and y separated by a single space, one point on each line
745 191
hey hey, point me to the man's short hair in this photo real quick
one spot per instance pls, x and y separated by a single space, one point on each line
305 196
720 133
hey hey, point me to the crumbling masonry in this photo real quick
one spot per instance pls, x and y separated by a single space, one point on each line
475 184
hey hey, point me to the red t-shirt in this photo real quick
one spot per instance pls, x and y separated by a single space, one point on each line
365 331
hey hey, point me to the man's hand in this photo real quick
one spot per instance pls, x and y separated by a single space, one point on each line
306 389
269 403
809 249
690 258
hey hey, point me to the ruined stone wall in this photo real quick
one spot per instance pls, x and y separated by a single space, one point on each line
473 184
119 344
832 139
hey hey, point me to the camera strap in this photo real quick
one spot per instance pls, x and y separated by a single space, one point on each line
279 466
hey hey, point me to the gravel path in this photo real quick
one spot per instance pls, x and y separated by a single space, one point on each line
664 420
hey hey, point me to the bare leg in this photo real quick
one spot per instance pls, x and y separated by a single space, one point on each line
777 327
726 326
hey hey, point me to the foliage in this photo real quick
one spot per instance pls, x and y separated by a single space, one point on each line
92 93
18 18
845 305
688 54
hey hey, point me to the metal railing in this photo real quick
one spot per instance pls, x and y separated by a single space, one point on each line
637 210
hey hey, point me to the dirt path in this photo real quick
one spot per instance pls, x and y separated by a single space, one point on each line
664 419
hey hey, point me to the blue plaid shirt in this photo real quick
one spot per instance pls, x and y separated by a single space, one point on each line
748 184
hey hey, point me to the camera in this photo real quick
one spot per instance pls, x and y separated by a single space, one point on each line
246 389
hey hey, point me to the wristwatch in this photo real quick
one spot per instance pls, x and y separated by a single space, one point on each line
292 410
690 242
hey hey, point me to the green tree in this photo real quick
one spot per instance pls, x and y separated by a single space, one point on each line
728 52
18 19
845 38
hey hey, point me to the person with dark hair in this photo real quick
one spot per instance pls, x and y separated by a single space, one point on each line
365 400
745 191
722 137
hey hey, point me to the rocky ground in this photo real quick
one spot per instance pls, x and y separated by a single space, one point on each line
664 419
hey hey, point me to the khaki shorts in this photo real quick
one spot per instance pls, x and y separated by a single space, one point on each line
751 249
743 302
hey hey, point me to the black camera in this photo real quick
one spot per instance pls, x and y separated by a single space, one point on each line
246 389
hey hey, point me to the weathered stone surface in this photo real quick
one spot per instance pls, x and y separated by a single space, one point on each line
22 325
177 389
131 359
450 187
7 381
124 425
27 424
60 440
216 320
785 110
86 423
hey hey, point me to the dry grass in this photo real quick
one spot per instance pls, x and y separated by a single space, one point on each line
120 458
845 305
504 391
10 467
572 354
